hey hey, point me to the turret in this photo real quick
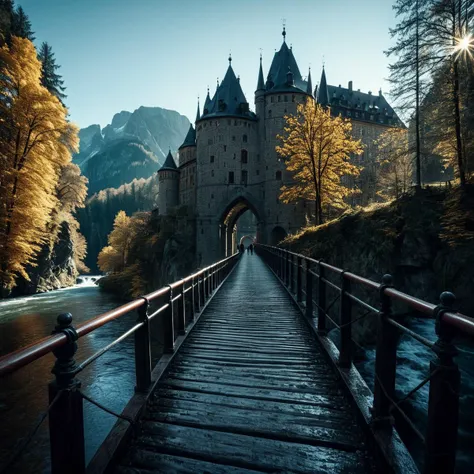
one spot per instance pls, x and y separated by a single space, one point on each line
198 113
323 94
309 87
168 191
260 93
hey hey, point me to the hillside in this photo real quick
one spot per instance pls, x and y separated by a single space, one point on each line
132 146
426 241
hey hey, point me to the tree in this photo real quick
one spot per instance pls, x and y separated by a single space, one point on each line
317 149
113 258
21 25
395 163
35 145
49 78
6 16
409 74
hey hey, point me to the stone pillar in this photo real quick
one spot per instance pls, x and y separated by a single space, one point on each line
222 240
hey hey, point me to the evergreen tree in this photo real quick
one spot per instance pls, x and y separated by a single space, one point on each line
49 78
409 73
6 16
21 25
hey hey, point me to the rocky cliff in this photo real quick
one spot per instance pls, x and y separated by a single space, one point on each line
55 267
425 241
133 145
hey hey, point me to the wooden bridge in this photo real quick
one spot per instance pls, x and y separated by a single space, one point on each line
250 380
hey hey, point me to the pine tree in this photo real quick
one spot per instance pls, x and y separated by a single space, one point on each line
317 148
21 25
37 144
6 16
409 74
49 78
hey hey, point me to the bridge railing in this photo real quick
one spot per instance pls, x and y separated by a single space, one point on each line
311 281
179 303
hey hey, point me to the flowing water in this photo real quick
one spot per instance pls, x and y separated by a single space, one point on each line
110 380
23 395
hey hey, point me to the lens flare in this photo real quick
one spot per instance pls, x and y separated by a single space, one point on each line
464 45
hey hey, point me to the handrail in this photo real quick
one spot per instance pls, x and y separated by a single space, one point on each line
21 357
453 318
444 375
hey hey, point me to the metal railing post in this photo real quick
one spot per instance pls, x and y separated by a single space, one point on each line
345 319
309 290
292 273
182 310
66 417
202 290
287 268
193 299
143 350
385 359
443 402
168 323
321 300
299 289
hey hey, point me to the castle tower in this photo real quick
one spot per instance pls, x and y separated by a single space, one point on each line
168 178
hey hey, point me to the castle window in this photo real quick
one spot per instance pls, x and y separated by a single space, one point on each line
212 158
269 114
244 138
349 113
273 99
225 147
212 196
258 172
209 142
278 175
233 138
231 177
244 177
279 98
292 98
286 98
243 156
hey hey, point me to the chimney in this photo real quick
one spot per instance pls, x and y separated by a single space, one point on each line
370 92
350 86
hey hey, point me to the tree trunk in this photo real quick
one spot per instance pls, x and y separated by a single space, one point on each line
417 105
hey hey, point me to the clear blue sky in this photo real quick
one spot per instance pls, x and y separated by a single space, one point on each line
119 54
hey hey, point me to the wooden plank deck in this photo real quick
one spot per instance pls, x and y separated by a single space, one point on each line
249 391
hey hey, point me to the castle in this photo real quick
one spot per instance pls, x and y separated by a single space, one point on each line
228 163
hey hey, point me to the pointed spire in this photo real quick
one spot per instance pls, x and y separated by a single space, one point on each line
207 103
323 94
169 163
260 83
198 113
309 86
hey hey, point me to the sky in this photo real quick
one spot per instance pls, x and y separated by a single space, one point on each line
120 54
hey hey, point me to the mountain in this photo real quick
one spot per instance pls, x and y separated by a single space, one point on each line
132 146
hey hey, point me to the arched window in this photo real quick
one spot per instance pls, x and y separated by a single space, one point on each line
278 175
244 138
243 156
269 114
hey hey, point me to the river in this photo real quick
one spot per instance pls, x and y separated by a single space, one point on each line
23 395
110 380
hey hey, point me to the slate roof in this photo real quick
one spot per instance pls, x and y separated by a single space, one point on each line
229 100
261 82
190 139
169 163
277 79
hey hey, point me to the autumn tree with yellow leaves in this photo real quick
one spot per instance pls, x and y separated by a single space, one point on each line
36 143
395 159
317 149
113 258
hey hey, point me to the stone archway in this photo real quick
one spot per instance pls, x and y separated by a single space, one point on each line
227 223
247 240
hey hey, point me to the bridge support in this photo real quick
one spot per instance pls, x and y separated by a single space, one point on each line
443 403
66 417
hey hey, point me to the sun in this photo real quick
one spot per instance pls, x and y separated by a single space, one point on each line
464 45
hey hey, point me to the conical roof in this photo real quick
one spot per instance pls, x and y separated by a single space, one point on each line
198 113
169 163
190 139
229 99
277 80
309 87
323 95
261 82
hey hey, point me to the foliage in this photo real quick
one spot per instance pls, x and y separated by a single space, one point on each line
396 163
49 78
21 25
35 145
97 218
113 258
317 149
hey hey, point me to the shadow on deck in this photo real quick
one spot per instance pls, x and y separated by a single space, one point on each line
249 390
